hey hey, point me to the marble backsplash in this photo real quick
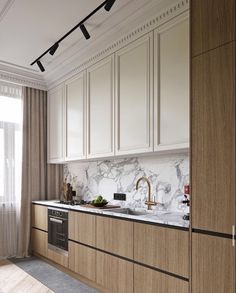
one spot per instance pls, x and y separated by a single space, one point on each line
167 173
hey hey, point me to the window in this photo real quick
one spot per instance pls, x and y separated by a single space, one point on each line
10 148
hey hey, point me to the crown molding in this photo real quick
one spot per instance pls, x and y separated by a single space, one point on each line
75 63
22 76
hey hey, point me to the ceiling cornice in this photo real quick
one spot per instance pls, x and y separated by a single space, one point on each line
22 76
73 64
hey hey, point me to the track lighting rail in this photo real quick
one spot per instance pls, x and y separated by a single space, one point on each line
107 6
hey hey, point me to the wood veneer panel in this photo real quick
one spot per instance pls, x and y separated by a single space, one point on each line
82 228
212 24
163 248
115 236
40 217
114 274
150 281
213 264
40 242
213 140
82 260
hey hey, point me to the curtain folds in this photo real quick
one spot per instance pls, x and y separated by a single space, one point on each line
40 180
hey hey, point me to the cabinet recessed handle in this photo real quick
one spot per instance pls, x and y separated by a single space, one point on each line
233 235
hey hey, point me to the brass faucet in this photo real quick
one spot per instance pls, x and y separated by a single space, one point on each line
148 202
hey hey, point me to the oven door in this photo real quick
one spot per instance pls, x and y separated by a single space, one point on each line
58 230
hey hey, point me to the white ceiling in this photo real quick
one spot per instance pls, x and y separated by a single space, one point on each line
29 27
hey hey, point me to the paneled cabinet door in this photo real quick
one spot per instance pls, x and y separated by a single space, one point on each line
40 242
213 264
56 122
134 97
171 85
75 117
100 109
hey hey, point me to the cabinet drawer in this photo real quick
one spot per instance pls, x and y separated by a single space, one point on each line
163 248
151 281
115 236
82 228
40 242
114 274
58 257
40 217
82 260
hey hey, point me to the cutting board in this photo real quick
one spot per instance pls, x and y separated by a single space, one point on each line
101 208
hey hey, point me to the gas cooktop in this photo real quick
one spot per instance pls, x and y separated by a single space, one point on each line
73 202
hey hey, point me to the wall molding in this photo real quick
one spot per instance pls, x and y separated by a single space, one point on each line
17 75
152 23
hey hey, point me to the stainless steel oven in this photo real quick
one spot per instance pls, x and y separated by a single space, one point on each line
58 230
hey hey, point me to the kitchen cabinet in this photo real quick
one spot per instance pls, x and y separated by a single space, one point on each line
82 228
56 125
58 257
40 217
171 85
115 236
213 140
82 260
114 274
212 23
163 248
134 97
75 91
40 242
213 264
151 281
100 109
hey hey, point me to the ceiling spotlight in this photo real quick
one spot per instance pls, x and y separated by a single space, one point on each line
40 65
53 49
84 31
109 5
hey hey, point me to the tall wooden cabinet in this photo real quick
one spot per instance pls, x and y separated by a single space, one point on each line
213 145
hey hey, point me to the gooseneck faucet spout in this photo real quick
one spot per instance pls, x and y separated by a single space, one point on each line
148 202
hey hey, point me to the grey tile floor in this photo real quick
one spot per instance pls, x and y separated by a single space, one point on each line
51 277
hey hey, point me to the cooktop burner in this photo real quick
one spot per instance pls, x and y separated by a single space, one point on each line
73 202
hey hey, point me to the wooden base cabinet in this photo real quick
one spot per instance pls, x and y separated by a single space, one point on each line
82 260
114 274
162 248
151 281
40 217
82 228
40 242
115 236
213 264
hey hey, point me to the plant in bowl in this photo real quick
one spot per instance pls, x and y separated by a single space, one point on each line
99 201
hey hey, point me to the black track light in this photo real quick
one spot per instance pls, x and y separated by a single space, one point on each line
53 49
109 4
84 31
40 65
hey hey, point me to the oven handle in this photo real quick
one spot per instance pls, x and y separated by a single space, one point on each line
56 220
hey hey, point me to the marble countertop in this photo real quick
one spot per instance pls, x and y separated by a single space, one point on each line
158 217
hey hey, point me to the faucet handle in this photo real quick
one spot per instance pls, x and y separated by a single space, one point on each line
152 203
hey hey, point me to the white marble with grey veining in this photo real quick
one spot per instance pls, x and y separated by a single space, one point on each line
167 173
158 217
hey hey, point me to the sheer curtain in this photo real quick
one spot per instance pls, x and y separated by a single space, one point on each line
10 166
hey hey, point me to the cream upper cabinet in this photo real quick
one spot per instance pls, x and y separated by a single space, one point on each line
171 85
134 97
100 109
55 124
75 90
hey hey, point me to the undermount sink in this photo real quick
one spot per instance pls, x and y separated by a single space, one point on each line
128 211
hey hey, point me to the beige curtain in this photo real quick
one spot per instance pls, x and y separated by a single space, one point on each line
40 180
